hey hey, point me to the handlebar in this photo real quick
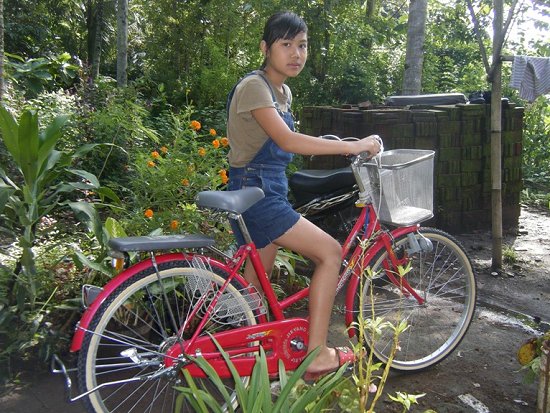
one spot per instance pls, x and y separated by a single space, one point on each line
362 157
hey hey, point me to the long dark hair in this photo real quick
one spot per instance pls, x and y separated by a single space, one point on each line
283 25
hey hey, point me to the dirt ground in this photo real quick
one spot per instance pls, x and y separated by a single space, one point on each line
481 376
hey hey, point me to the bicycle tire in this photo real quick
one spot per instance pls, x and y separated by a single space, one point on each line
135 319
445 279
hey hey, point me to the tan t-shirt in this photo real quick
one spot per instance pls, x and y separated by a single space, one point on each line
245 135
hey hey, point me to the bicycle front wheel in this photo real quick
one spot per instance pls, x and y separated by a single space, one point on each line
437 318
125 360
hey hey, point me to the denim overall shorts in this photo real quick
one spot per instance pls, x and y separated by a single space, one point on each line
272 216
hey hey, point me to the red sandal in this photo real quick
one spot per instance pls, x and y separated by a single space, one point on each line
344 354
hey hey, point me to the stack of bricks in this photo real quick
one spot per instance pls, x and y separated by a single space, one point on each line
461 137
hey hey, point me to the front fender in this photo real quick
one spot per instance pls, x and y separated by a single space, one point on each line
114 283
353 283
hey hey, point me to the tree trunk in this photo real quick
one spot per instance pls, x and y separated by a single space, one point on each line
122 43
416 32
94 22
1 50
372 8
494 76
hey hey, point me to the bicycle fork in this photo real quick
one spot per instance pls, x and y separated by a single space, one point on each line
398 258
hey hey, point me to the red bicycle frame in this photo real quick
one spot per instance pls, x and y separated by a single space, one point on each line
282 338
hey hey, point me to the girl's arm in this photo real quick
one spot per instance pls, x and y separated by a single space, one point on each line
294 142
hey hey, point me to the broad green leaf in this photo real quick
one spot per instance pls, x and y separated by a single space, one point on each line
84 149
10 129
83 260
14 56
28 145
106 192
114 229
7 179
43 75
49 138
88 214
5 194
86 175
52 161
322 387
81 185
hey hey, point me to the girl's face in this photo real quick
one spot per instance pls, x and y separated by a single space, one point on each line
286 57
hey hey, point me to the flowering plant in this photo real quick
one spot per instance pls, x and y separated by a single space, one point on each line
169 176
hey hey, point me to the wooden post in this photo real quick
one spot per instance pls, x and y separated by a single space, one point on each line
496 165
495 77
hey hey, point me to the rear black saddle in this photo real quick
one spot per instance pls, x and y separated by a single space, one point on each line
321 181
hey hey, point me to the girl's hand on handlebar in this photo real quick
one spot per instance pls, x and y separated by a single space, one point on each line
370 146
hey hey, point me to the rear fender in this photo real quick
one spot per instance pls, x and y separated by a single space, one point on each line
114 283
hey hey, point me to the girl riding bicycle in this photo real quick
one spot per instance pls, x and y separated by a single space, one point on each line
262 140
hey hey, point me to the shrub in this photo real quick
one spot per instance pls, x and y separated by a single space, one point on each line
42 180
166 178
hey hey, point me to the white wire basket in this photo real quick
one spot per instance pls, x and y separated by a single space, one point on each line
401 184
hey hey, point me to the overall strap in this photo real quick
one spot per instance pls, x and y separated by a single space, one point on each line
256 72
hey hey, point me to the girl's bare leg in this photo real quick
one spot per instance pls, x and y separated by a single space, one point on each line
310 241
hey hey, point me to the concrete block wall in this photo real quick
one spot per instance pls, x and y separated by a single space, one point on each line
461 137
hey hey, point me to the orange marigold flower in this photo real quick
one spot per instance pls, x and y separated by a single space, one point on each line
213 132
216 143
185 182
155 154
195 124
202 151
151 164
148 213
164 150
223 175
174 224
224 141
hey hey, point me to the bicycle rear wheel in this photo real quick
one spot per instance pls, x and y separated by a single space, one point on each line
129 337
444 280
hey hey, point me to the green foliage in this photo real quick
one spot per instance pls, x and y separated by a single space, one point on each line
536 145
407 400
107 114
294 396
167 178
44 27
452 59
37 74
42 182
369 376
285 265
509 255
531 365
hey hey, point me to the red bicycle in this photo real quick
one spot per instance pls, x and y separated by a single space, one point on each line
153 319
